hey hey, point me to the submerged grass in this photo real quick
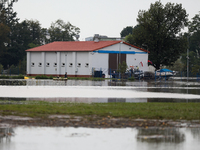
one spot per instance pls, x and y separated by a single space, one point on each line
187 111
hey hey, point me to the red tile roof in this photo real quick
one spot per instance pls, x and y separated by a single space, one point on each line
76 46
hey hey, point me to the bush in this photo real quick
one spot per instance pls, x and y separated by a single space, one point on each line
41 77
4 77
51 77
131 79
18 77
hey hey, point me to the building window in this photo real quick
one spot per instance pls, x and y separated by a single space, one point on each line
55 64
86 65
63 64
48 64
79 65
32 64
40 64
70 64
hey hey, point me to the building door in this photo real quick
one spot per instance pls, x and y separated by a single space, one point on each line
114 60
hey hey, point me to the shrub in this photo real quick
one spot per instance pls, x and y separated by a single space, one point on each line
18 77
41 77
131 78
4 77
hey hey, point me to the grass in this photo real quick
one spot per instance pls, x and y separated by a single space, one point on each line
186 111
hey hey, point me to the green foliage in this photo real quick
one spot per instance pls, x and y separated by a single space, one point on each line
14 69
159 29
42 77
193 61
131 79
194 44
4 77
126 31
18 77
32 45
122 68
196 68
61 31
177 66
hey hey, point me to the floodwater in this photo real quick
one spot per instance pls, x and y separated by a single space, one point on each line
46 138
85 91
88 91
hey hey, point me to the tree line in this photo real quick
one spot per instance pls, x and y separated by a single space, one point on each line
16 37
160 30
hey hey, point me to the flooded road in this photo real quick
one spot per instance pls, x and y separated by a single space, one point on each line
47 138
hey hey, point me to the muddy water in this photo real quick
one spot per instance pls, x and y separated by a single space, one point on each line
45 138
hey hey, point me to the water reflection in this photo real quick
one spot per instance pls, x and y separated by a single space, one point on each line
92 100
158 135
5 134
94 138
195 133
104 91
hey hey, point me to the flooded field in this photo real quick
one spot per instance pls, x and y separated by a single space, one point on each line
85 91
88 91
46 138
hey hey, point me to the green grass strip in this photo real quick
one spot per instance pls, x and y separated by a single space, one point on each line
187 111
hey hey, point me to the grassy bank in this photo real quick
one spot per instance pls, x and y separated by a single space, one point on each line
187 111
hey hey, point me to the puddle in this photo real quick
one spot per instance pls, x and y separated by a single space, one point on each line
47 138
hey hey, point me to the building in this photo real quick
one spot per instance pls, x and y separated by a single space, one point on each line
82 58
103 38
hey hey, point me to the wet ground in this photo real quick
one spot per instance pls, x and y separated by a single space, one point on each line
93 132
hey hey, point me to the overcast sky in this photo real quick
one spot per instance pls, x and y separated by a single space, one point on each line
104 17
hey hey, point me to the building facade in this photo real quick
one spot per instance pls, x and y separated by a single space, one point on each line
82 58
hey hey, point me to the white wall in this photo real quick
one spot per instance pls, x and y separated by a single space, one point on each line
131 59
96 60
99 62
51 58
33 66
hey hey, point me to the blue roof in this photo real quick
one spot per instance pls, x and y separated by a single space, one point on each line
165 70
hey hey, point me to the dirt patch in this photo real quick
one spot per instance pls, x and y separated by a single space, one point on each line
94 122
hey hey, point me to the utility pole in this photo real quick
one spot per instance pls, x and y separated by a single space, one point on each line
188 60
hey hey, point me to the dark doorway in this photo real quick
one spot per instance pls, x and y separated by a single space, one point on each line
114 61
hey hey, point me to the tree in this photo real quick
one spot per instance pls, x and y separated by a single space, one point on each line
159 30
194 63
4 34
194 32
8 22
122 68
27 34
126 31
61 31
194 45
